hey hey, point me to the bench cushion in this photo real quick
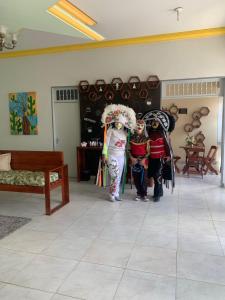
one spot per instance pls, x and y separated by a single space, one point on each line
21 177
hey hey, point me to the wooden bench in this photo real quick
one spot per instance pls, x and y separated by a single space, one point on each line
47 162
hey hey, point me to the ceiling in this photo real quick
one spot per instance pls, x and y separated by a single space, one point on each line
116 19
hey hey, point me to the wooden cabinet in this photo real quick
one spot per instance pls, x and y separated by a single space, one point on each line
87 159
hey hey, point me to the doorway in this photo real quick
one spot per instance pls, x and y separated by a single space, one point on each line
66 124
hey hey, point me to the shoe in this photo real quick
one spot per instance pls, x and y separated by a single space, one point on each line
156 199
112 198
145 199
137 198
118 198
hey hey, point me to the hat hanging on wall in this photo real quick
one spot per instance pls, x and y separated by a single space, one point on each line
117 83
100 86
153 81
134 83
84 86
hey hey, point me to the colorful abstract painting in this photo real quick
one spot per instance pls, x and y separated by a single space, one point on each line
23 113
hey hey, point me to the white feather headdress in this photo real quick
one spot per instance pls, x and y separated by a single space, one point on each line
119 113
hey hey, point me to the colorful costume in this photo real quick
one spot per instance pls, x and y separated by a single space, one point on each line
139 152
158 123
121 120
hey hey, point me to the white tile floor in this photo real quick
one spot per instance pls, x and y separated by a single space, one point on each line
93 249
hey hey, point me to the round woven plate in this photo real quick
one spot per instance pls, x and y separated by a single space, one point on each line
204 111
196 115
188 127
196 123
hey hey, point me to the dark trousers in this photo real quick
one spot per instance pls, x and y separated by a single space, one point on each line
155 171
140 182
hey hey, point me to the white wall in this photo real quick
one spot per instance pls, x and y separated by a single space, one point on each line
169 60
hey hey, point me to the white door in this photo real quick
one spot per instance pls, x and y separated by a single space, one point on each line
66 124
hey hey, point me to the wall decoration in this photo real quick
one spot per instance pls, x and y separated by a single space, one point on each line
143 94
172 110
125 93
100 86
188 127
199 138
134 83
23 113
204 111
109 96
153 81
116 92
196 116
84 86
117 83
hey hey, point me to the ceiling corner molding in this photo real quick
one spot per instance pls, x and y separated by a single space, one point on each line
194 34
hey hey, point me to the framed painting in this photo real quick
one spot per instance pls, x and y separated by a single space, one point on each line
23 113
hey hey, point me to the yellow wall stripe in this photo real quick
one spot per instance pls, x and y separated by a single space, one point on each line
194 34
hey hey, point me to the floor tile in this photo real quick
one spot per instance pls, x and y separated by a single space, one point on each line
145 286
45 273
109 253
92 282
68 248
154 260
201 267
195 290
11 292
12 263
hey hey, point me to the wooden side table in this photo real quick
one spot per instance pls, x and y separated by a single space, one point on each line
82 153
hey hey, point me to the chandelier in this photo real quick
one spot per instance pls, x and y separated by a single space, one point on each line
7 40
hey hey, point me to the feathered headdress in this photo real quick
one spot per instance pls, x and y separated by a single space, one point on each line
119 113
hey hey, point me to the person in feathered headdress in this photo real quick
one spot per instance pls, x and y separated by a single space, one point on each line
159 124
119 121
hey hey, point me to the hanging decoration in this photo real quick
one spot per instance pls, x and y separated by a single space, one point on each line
100 86
84 86
117 83
134 83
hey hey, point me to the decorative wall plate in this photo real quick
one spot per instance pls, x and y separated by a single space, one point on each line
204 111
134 83
173 109
196 123
117 83
153 81
196 115
200 137
84 86
188 127
100 86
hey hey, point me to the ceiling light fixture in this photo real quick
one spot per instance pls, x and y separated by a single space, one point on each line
7 40
72 16
76 12
178 10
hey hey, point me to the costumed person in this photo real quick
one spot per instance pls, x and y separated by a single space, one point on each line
119 121
139 153
160 165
